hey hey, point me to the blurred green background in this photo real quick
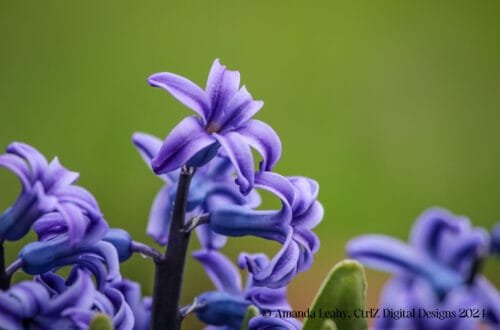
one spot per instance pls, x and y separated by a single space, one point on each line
392 106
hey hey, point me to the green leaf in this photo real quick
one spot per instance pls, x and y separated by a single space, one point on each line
342 292
252 311
101 322
328 325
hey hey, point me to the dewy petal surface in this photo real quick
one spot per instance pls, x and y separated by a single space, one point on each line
184 90
184 142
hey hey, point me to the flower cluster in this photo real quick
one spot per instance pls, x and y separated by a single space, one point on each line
211 187
437 271
71 232
217 142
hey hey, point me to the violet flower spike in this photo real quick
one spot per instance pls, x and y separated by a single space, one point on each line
226 307
291 226
224 120
212 186
443 257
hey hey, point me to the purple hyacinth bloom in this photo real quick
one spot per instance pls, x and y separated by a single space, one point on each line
291 226
47 303
53 249
141 307
226 307
211 186
46 187
224 120
444 253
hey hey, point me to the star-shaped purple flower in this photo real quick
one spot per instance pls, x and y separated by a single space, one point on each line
224 120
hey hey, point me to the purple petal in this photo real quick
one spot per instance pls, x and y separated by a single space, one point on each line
184 142
123 317
184 90
18 166
159 216
241 156
306 193
280 270
266 298
222 84
265 140
208 239
276 184
35 159
221 271
80 294
147 145
386 253
429 229
311 218
237 221
489 298
239 110
273 323
56 176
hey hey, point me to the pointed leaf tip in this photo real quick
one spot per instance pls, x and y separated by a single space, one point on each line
101 322
252 311
342 292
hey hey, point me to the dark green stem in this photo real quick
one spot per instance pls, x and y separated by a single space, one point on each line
170 269
4 278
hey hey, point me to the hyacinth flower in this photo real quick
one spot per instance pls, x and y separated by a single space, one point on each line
439 266
212 186
46 187
53 249
224 120
50 302
290 226
226 307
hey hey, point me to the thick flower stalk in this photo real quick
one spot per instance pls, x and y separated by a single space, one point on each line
438 269
290 226
226 307
224 121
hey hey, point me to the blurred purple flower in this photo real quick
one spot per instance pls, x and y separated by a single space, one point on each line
46 187
444 252
226 307
224 120
291 226
50 302
212 186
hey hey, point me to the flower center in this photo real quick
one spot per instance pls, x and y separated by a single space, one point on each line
212 127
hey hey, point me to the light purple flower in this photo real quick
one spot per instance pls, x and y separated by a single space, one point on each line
291 226
444 252
224 120
46 187
211 186
226 307
140 306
